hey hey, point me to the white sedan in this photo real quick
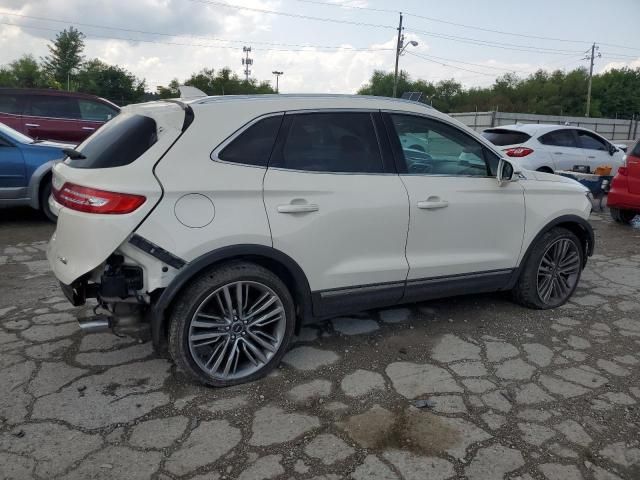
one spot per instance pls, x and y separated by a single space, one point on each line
548 148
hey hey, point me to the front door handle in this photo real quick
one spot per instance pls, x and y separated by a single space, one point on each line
298 208
557 153
31 125
88 128
432 203
592 156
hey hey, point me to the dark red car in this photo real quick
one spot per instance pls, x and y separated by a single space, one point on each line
624 196
54 114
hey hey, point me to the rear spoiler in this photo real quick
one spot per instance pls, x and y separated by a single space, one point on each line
188 112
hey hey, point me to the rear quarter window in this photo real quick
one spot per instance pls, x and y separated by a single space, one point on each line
117 143
502 137
254 145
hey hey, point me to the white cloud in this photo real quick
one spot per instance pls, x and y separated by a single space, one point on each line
612 65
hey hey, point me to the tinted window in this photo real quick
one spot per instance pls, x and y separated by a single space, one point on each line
330 142
10 104
590 141
96 111
636 150
559 138
53 106
118 142
502 137
254 145
435 148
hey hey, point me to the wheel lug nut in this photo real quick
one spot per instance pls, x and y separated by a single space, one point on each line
226 328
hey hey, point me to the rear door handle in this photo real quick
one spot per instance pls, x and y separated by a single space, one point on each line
31 125
591 156
298 208
432 204
88 128
557 153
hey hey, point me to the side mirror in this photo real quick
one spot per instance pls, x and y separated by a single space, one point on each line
612 149
506 172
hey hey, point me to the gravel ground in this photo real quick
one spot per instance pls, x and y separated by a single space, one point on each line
509 392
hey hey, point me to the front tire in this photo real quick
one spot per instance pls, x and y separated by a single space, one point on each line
552 271
232 324
45 193
621 215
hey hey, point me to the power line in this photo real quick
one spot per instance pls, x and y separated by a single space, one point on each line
451 66
165 34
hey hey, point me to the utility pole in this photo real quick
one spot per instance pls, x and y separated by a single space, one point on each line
398 50
277 74
594 49
247 62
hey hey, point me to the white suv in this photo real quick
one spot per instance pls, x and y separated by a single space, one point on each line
548 148
227 222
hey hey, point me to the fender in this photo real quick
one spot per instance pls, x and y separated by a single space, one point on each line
301 291
33 190
583 224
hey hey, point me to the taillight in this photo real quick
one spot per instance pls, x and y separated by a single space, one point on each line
92 200
518 151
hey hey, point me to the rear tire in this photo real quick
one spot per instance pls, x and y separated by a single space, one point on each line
45 193
622 216
216 334
552 271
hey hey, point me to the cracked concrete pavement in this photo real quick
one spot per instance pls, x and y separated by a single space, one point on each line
512 393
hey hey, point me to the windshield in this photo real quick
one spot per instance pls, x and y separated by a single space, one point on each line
14 134
501 136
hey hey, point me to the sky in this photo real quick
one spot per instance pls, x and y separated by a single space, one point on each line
331 46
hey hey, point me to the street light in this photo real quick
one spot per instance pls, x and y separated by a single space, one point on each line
277 74
399 51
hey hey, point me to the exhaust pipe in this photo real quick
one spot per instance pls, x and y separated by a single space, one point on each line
97 324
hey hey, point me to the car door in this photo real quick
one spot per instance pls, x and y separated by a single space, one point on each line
11 109
94 115
54 117
465 230
562 146
336 206
595 149
12 170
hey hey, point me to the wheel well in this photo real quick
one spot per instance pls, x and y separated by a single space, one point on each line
46 178
545 169
300 297
579 232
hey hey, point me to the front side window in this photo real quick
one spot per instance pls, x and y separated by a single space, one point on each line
96 111
338 142
559 138
590 141
431 147
254 145
54 106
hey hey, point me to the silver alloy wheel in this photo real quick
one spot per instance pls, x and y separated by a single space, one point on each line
236 330
558 271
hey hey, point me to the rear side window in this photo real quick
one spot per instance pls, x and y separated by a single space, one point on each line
338 142
501 137
559 138
10 104
53 106
118 142
96 111
636 150
254 145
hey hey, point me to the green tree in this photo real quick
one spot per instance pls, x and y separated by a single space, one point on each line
24 73
224 82
65 55
110 81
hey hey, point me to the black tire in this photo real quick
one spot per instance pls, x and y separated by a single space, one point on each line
45 193
622 216
526 290
198 292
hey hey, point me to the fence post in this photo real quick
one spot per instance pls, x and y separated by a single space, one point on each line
635 130
493 118
613 135
630 125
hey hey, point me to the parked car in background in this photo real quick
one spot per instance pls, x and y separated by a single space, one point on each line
25 169
548 148
53 114
624 196
227 222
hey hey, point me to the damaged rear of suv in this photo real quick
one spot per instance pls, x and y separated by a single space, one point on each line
221 224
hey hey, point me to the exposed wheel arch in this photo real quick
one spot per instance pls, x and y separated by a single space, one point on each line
274 260
545 170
